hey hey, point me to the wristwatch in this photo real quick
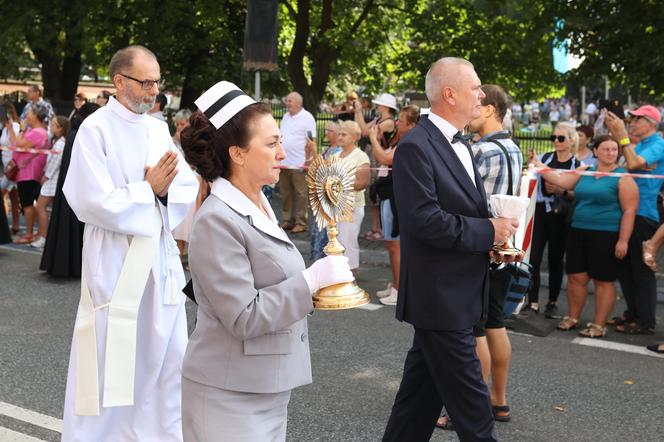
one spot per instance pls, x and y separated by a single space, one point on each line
624 141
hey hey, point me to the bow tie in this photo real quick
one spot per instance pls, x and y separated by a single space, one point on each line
461 138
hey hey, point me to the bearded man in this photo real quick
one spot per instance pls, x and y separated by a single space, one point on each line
131 329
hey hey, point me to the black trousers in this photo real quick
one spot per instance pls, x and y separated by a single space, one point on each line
552 229
441 368
636 279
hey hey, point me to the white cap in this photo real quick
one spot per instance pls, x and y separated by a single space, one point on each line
387 100
222 102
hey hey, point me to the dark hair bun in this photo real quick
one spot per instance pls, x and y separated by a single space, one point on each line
206 148
198 145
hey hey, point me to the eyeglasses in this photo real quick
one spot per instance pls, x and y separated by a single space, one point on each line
559 138
146 85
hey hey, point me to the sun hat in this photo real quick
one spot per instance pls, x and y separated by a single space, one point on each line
387 100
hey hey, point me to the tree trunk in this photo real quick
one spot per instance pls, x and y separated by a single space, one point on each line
50 72
321 53
71 70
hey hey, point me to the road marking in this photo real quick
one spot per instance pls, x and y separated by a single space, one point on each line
371 307
22 250
31 417
637 349
7 435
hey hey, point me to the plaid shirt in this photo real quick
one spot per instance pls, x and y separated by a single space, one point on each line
492 165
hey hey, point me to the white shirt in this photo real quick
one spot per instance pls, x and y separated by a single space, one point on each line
5 141
459 148
294 130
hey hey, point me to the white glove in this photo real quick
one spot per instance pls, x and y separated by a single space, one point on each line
327 271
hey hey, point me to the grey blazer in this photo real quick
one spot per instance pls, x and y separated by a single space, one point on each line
251 331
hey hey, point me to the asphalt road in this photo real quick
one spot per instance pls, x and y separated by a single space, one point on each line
559 389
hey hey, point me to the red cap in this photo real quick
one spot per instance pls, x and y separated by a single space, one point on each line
648 111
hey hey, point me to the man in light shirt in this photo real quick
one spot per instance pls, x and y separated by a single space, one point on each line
298 132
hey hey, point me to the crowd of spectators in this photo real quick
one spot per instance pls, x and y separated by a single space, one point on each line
621 246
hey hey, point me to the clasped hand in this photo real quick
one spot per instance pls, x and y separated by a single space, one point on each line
162 174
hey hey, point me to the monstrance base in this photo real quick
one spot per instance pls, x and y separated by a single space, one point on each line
340 297
507 251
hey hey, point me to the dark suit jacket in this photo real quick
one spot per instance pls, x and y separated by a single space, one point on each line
445 233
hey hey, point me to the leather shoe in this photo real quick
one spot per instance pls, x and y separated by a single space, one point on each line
287 226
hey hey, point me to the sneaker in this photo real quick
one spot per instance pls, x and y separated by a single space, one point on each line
391 299
38 243
386 292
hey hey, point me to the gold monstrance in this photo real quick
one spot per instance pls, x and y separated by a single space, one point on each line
332 199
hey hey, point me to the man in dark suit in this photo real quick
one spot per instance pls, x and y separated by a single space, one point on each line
446 236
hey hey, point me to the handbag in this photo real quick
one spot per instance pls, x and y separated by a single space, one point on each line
11 171
513 279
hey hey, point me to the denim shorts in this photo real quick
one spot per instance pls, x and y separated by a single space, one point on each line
386 220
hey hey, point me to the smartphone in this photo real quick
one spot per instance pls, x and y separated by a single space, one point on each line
614 106
310 135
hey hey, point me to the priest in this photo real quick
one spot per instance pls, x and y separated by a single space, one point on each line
130 187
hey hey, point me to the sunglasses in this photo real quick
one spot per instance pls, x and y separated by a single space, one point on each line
559 138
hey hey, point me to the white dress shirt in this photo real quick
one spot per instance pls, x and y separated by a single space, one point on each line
459 148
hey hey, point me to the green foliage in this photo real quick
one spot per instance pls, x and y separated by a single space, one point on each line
620 39
328 47
509 42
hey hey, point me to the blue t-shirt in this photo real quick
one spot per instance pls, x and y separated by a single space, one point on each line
650 149
597 203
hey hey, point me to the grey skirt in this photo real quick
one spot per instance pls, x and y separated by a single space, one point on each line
210 414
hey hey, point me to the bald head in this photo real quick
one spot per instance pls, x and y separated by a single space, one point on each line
454 91
293 103
123 60
445 72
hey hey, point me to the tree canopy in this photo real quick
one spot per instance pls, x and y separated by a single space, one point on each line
327 47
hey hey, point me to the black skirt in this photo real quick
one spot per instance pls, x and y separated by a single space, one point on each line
5 234
64 241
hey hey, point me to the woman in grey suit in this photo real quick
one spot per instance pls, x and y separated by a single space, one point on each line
250 347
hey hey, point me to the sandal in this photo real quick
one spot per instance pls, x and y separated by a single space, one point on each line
634 329
649 255
25 239
568 323
501 413
372 235
617 320
445 423
593 330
